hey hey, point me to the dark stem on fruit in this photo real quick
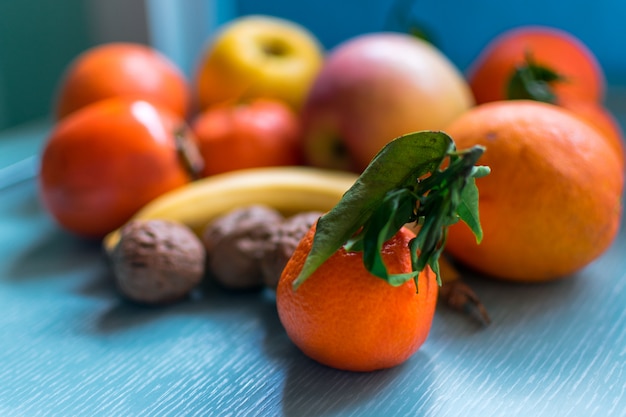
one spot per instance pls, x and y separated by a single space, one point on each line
188 153
275 48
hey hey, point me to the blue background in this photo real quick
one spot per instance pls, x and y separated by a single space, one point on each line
462 28
459 28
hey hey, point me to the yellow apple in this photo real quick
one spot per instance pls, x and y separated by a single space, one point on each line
258 56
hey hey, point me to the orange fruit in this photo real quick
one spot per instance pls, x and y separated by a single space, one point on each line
346 318
104 162
553 201
123 69
549 47
259 133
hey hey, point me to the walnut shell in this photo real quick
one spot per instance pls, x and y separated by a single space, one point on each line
157 261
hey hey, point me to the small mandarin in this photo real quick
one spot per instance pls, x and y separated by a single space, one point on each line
346 318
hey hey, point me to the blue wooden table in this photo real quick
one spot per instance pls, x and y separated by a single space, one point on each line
70 346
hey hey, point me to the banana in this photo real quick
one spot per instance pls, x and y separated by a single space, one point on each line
288 189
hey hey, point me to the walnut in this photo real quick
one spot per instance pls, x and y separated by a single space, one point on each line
157 261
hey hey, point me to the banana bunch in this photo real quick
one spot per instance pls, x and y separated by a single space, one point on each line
290 190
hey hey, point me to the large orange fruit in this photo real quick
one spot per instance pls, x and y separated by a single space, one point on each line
553 201
346 318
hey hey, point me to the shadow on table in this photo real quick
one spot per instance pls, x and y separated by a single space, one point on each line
311 389
208 300
55 254
510 303
19 198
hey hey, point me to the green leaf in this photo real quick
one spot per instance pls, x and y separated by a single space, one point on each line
404 183
396 210
533 82
468 209
398 164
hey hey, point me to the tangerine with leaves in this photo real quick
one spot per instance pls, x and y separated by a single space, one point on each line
553 202
346 318
360 290
536 62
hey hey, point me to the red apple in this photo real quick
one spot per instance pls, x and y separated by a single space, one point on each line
376 87
257 133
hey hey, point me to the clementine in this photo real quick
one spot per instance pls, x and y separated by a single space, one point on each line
553 201
345 317
123 69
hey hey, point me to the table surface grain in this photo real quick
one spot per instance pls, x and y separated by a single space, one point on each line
70 346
